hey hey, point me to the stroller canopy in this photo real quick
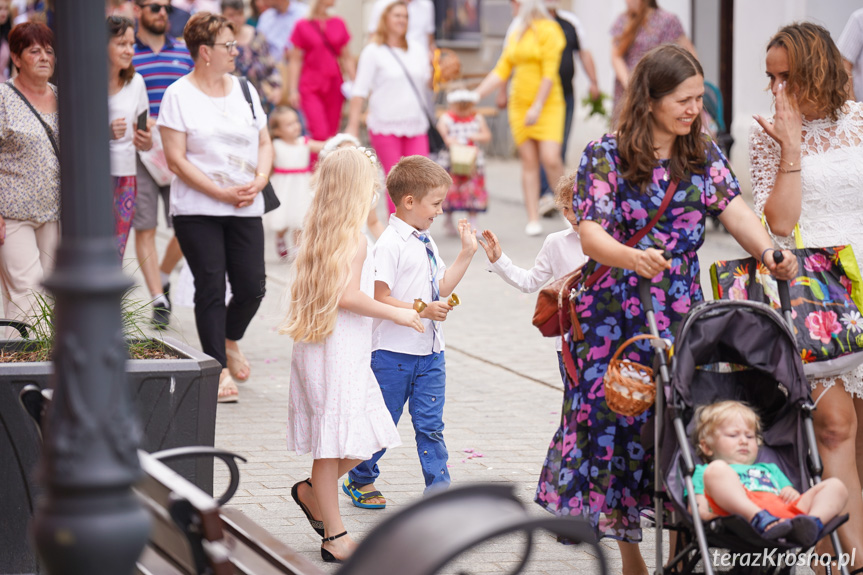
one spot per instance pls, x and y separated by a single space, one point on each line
741 333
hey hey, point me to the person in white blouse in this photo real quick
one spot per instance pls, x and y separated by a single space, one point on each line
218 147
560 255
392 73
127 101
807 168
421 21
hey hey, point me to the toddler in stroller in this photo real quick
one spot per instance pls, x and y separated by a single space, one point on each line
727 435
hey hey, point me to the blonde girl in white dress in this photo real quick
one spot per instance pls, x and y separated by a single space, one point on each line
292 170
807 169
337 412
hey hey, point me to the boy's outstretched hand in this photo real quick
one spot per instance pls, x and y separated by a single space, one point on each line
468 236
409 318
491 246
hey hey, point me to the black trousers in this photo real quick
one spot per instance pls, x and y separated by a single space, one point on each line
213 246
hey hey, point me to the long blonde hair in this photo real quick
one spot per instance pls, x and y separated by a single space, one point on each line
528 12
345 182
380 35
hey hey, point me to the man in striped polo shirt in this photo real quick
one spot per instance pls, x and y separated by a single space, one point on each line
161 60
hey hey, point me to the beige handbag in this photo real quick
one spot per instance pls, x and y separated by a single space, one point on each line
462 159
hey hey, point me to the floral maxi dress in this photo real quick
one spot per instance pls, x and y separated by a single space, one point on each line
596 463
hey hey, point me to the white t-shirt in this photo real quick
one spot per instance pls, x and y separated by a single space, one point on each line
420 21
560 255
394 108
130 101
221 140
850 45
401 262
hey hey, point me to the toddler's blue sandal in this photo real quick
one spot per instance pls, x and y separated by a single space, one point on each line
806 530
359 498
769 526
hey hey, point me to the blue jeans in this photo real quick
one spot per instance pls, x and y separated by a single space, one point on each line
544 187
421 381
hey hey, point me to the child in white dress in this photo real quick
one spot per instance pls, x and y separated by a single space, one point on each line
337 412
292 169
560 255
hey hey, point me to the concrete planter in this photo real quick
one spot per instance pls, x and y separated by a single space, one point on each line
175 400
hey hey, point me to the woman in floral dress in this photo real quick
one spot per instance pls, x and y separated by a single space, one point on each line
596 464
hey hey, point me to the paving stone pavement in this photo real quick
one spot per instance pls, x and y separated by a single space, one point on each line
503 400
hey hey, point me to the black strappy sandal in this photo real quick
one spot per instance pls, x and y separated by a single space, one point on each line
318 526
326 555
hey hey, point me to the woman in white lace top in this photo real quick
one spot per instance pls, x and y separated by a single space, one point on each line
807 169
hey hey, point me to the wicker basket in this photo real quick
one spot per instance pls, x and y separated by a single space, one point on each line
626 392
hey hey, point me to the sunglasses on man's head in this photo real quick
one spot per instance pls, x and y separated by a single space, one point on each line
156 8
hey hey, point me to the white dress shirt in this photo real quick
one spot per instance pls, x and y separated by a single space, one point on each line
401 262
560 255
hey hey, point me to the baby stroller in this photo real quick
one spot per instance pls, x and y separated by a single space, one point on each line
730 350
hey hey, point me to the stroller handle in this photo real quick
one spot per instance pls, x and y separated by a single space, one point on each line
784 295
644 288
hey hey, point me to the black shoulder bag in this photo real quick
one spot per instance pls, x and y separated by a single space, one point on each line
436 143
48 129
271 201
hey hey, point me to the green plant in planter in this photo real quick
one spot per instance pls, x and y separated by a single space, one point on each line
41 332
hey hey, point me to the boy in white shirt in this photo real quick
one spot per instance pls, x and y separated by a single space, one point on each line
410 366
560 255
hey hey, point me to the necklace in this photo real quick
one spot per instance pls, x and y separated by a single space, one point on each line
223 109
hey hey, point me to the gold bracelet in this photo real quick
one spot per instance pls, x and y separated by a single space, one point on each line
781 159
263 175
784 171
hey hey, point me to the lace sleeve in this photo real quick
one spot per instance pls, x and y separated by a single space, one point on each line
764 155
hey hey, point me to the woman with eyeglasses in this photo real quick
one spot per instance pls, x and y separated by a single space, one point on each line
29 170
127 101
217 145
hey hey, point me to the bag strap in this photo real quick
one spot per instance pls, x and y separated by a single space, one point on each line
413 86
602 270
244 86
568 361
324 38
48 129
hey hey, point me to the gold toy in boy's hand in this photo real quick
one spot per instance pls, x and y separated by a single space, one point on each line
453 300
419 305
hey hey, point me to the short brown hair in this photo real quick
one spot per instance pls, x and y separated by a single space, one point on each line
27 34
202 29
709 417
415 176
564 190
815 68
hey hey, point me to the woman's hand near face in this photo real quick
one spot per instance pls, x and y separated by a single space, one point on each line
787 124
118 128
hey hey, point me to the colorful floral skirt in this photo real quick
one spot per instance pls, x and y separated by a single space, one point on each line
467 193
125 192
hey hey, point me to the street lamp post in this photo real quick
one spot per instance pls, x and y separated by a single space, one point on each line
89 521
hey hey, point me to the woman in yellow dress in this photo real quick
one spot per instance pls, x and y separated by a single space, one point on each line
531 55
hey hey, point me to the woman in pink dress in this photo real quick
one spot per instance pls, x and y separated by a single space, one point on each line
640 29
317 59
